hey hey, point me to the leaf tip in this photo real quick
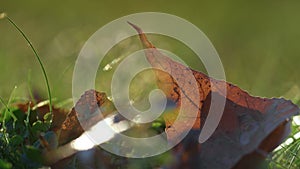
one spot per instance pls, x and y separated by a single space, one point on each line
138 29
143 37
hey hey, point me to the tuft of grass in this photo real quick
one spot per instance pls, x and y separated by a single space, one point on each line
287 155
5 16
7 109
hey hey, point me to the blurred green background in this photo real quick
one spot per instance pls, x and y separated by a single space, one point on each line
258 41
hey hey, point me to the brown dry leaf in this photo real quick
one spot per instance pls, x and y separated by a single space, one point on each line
85 110
245 124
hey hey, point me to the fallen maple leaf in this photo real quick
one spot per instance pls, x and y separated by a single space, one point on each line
246 120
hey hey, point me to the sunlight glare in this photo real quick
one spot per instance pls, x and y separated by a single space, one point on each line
100 133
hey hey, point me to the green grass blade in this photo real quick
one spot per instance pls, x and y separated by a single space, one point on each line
7 106
3 15
4 118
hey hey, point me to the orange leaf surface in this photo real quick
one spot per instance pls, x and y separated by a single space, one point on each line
246 121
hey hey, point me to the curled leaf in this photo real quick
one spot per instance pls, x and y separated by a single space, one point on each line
246 122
